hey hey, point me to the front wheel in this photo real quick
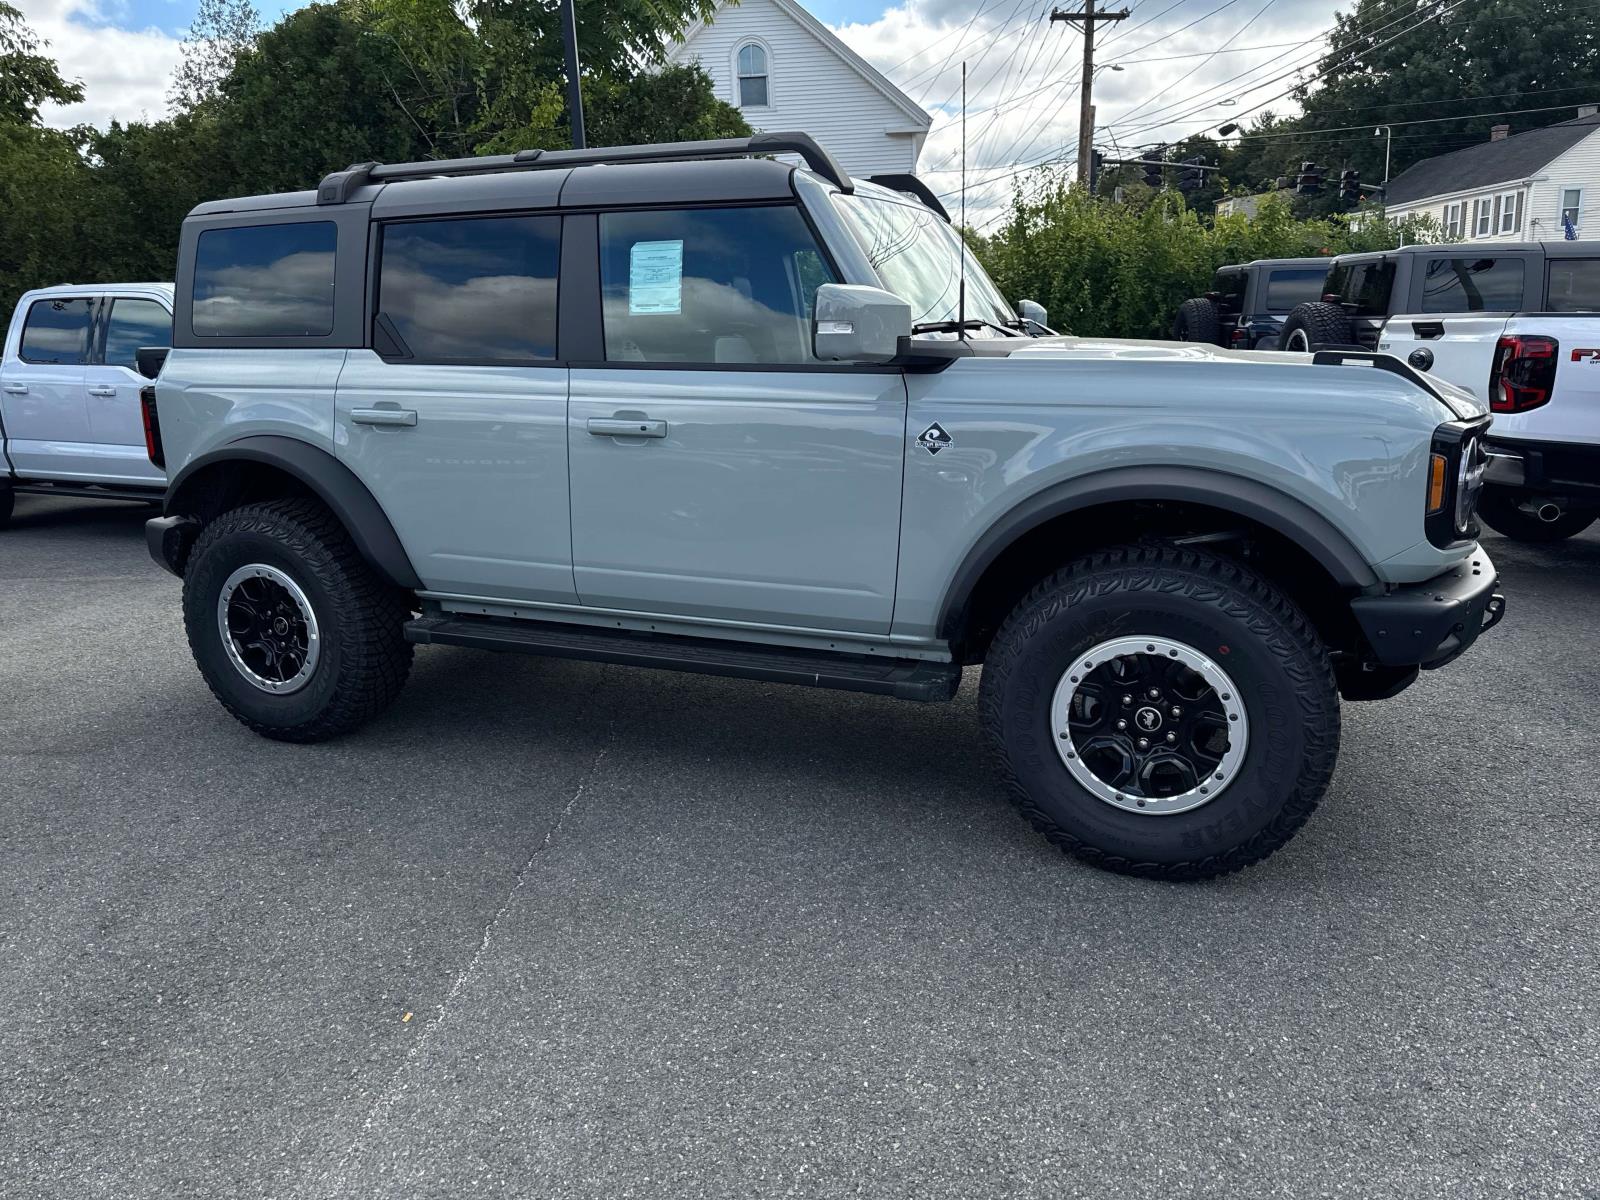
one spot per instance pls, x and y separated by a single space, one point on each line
1161 712
295 634
1526 517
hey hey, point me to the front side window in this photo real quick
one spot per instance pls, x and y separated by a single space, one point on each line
265 281
729 285
919 258
1455 285
470 290
1293 285
57 332
1574 285
135 323
752 68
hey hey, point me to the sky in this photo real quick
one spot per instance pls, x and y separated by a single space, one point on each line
1182 63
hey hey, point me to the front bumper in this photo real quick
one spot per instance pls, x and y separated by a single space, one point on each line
1428 624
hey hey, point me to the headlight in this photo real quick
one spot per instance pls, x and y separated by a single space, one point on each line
1469 482
1456 464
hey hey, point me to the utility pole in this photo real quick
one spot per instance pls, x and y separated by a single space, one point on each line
1090 19
569 45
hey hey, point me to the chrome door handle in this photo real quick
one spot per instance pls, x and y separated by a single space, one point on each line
624 427
383 416
102 391
17 389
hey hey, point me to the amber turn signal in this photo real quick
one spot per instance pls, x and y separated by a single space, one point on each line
1438 468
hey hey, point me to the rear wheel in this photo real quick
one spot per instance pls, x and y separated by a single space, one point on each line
1198 321
1161 713
1529 517
1313 325
295 634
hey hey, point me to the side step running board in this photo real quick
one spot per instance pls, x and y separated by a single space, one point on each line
903 678
92 491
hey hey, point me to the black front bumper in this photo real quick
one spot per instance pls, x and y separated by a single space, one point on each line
1428 624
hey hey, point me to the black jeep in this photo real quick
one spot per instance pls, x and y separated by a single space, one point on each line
1247 304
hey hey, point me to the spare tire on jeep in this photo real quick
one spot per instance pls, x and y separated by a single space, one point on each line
1314 325
1198 321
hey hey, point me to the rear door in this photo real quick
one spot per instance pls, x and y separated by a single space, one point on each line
1458 308
41 382
116 425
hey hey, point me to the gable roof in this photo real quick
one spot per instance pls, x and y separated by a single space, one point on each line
1510 159
832 42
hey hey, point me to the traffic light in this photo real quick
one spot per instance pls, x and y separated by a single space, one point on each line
1350 187
1309 182
1097 162
1193 178
1152 165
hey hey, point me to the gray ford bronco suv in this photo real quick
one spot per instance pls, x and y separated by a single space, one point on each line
694 407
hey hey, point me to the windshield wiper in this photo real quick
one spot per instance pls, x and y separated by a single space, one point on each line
959 326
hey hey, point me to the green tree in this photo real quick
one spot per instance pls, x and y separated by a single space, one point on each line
28 78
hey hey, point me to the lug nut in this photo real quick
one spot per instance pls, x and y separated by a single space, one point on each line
1155 694
1127 699
1176 711
1144 744
1122 724
1172 737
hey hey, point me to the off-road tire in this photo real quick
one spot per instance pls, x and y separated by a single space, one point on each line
8 500
1221 609
1500 511
1198 321
1323 325
364 655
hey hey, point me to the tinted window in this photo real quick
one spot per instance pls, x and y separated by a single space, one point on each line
56 331
1363 287
709 286
265 281
1574 285
1229 286
1291 286
479 290
135 323
1454 285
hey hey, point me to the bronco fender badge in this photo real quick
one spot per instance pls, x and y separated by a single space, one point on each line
934 439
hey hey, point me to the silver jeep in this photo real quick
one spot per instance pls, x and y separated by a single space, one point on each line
694 407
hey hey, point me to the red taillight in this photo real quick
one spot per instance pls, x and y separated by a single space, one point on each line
1524 372
152 426
1239 336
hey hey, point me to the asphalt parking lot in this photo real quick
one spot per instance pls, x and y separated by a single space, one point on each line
552 929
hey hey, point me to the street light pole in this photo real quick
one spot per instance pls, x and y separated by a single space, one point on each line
569 41
1388 141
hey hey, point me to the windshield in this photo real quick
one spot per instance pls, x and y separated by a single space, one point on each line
918 256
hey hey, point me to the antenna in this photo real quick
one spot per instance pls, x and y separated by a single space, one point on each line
961 291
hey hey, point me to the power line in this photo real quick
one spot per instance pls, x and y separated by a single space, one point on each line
1237 33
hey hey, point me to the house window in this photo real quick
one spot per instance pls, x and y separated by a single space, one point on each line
1455 220
1571 206
1511 212
752 72
1483 216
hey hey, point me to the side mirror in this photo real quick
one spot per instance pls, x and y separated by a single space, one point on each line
1032 310
148 359
855 323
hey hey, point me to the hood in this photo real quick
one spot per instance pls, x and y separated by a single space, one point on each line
1461 403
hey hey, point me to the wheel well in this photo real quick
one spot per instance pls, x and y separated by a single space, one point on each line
214 489
1048 546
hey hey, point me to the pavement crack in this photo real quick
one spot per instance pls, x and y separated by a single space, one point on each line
395 1088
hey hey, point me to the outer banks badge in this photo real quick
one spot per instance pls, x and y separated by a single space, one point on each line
934 439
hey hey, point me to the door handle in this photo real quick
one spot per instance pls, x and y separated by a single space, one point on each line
102 391
17 389
383 416
1428 330
625 427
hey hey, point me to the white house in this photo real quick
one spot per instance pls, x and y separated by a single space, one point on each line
1521 187
784 70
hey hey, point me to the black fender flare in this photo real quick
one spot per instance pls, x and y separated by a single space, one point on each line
1246 498
330 481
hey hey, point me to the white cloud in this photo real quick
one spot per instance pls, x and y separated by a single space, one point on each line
1023 72
125 72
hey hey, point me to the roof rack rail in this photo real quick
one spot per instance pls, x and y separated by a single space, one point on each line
913 186
337 187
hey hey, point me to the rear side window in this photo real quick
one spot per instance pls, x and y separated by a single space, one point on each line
1574 285
1455 285
709 285
57 331
1229 286
470 290
1363 287
265 281
1291 286
135 323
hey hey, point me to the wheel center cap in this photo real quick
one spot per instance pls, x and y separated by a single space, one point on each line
280 626
1148 719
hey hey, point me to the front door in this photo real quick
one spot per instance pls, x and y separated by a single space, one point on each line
456 419
46 419
718 470
112 385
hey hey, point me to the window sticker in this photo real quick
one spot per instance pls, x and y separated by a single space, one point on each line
655 277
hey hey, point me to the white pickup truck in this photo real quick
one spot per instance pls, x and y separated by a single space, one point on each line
71 419
1518 325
